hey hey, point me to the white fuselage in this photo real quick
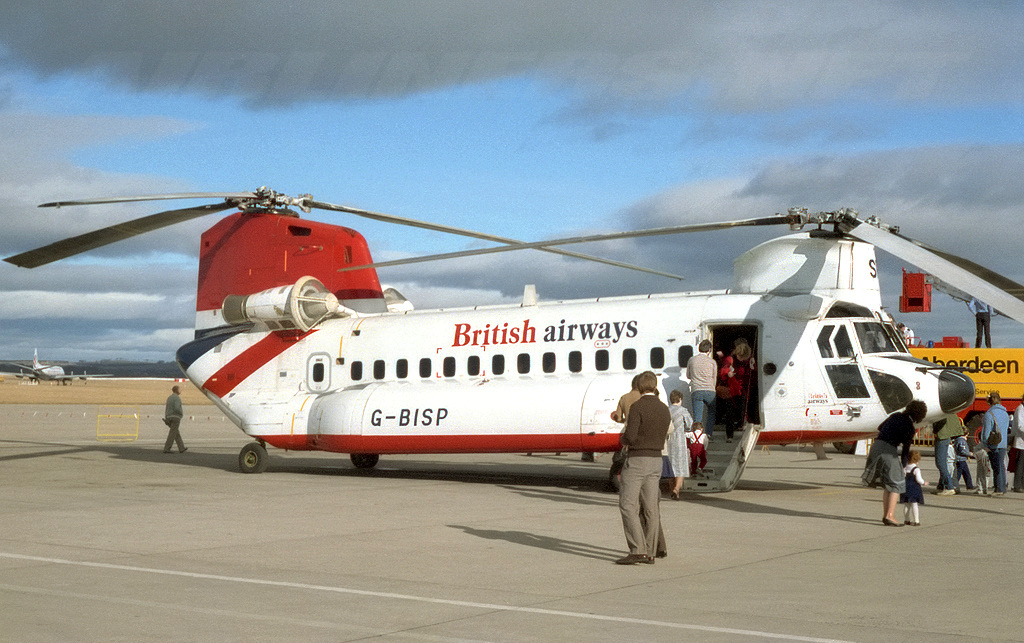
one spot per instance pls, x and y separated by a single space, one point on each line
547 376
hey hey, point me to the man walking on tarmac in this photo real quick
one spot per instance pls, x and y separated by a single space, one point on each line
172 418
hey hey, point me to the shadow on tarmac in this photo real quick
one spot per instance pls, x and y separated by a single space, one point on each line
559 545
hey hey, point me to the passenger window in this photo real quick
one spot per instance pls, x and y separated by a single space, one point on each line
448 365
357 370
473 365
824 346
685 353
402 369
601 360
657 357
498 365
629 359
548 363
425 368
378 369
575 362
523 363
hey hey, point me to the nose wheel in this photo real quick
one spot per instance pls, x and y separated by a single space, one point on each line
253 458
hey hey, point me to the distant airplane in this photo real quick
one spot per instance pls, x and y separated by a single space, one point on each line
42 373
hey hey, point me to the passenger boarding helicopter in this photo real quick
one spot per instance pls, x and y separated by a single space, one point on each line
300 346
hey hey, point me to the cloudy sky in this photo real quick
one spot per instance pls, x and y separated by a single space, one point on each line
525 119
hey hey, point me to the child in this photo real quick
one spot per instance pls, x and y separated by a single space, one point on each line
983 469
914 496
696 443
962 455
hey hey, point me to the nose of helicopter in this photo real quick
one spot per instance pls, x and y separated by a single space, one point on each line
956 391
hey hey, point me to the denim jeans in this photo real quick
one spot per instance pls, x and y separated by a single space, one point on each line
703 403
942 463
996 457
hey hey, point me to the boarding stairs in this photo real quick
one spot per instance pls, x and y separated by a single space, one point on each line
726 461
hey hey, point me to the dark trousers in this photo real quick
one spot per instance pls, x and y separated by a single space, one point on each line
173 435
983 321
964 470
735 414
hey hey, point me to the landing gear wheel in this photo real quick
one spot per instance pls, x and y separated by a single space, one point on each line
845 447
253 458
365 460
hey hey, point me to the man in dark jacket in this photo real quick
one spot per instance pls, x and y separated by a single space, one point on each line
644 437
172 418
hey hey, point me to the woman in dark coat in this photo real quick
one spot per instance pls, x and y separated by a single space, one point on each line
885 464
735 374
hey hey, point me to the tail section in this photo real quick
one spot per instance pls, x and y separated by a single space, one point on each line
248 252
35 359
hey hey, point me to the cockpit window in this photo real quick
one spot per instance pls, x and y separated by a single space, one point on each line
874 339
892 391
846 381
824 346
846 309
843 344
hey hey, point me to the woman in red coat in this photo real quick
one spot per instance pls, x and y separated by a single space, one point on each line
735 375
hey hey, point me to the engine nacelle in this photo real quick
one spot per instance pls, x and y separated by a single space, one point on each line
297 307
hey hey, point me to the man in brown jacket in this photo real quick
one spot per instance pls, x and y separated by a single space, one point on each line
644 436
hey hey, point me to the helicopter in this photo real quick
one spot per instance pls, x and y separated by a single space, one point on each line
300 346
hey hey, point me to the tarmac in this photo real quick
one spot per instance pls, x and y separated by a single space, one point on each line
116 541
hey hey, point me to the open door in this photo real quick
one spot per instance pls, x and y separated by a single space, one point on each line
723 339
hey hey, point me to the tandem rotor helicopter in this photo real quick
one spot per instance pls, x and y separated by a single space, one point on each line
300 346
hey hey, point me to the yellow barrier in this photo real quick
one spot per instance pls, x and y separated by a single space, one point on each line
117 423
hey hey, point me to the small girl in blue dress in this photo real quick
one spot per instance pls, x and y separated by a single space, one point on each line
914 495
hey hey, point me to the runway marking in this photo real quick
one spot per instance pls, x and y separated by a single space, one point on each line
424 599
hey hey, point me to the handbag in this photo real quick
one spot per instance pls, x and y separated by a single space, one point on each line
723 392
994 438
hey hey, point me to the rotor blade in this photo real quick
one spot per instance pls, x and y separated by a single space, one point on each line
237 196
390 218
98 238
1005 295
632 234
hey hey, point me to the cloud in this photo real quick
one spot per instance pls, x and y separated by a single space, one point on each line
962 199
737 56
41 171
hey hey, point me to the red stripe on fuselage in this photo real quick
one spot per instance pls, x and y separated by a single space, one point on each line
503 443
250 360
804 437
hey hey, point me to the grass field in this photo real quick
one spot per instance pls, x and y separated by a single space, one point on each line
98 391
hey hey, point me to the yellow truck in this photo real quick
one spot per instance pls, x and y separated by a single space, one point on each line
999 370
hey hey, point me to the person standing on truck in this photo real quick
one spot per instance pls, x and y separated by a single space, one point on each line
982 321
996 420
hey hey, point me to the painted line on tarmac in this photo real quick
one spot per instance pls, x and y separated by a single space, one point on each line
423 599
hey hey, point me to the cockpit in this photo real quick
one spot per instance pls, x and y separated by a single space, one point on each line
861 353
